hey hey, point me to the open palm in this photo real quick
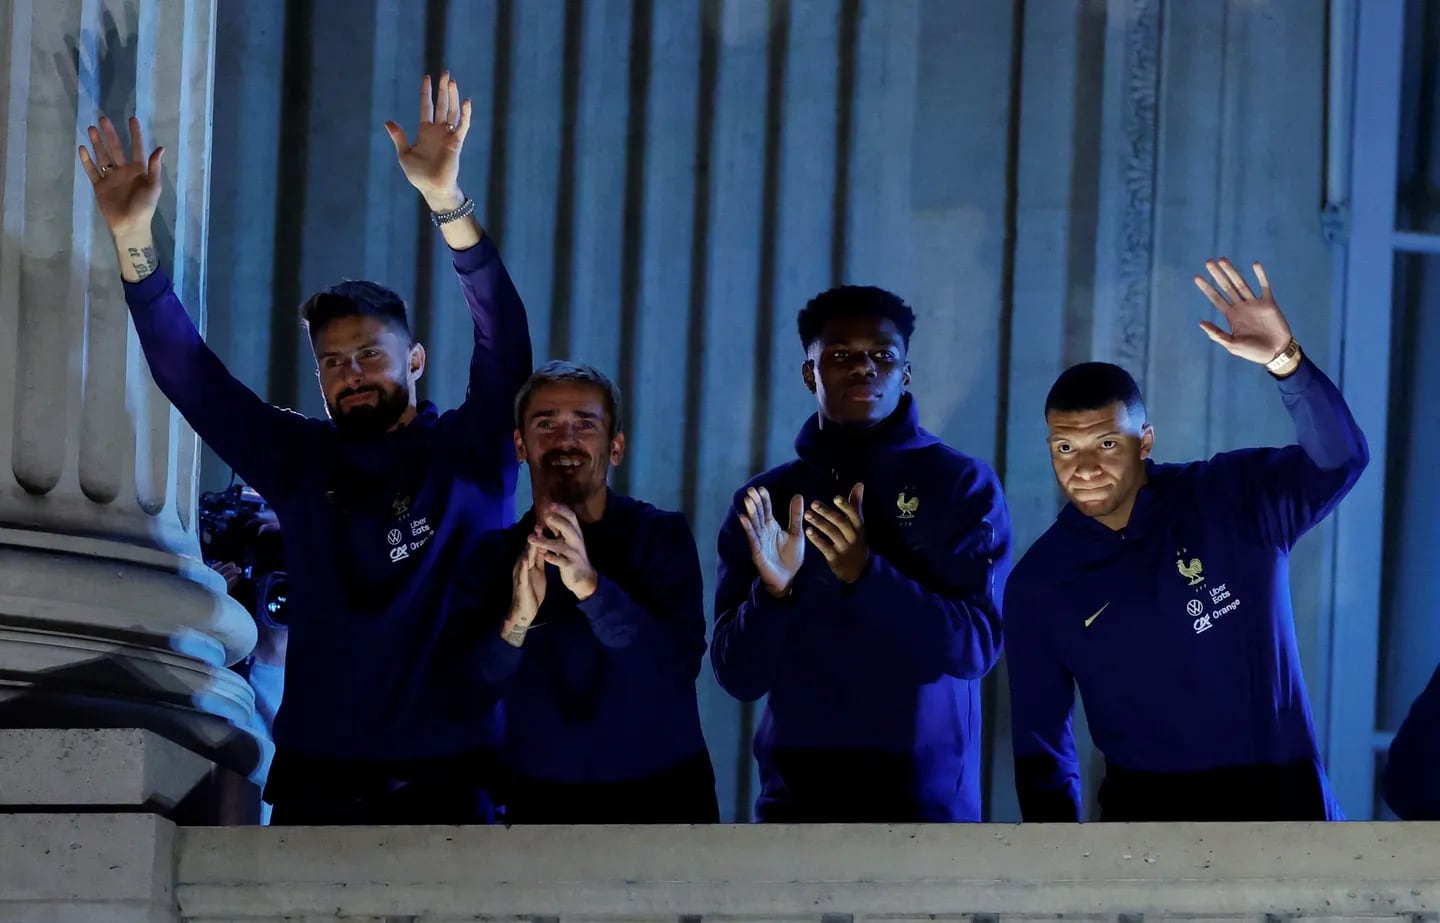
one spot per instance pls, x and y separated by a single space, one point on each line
432 162
777 551
127 187
1258 330
527 591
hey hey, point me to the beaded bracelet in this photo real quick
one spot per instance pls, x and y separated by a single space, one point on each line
466 208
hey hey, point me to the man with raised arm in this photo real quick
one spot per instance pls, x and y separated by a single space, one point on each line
1162 593
377 502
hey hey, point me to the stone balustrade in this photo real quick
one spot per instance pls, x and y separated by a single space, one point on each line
138 867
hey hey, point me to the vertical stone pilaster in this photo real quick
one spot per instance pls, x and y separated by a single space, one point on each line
108 617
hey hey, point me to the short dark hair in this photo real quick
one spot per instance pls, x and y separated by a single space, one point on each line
1093 386
352 297
558 371
854 301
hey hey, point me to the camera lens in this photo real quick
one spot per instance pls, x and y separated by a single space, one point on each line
272 602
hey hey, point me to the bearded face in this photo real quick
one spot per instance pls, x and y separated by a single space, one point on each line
566 442
367 372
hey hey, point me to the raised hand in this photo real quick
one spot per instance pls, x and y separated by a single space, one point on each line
777 551
527 593
432 162
1258 331
127 187
838 531
567 552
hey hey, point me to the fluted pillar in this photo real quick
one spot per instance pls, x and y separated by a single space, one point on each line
108 617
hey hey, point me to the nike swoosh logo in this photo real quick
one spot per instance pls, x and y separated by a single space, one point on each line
1096 615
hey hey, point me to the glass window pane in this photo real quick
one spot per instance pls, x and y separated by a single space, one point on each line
1418 197
1409 630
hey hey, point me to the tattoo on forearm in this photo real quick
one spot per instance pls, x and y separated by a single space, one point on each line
144 261
515 635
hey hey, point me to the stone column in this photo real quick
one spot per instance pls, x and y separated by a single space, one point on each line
108 616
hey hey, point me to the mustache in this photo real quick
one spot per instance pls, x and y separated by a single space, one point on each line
351 392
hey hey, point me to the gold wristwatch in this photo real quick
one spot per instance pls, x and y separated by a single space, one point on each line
1286 360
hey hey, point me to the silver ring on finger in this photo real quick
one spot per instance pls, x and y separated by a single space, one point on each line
104 169
449 126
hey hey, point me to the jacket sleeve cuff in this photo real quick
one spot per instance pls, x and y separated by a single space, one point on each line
473 259
606 597
501 658
874 577
1300 379
762 601
147 289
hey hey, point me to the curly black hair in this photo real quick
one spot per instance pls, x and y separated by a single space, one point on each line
854 301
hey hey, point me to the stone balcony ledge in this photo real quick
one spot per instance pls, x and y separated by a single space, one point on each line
1194 871
135 867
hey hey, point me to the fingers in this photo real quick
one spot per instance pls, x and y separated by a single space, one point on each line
797 513
397 137
1215 297
750 534
836 526
1264 281
765 507
463 128
1222 281
568 533
754 508
563 512
853 505
563 521
824 534
824 544
453 109
427 101
103 160
113 147
156 156
137 141
534 562
552 547
1216 334
442 98
1237 280
525 560
90 169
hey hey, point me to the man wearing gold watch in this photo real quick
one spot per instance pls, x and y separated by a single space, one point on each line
1162 593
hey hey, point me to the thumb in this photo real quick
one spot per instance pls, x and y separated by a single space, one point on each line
857 497
397 137
797 513
1215 333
